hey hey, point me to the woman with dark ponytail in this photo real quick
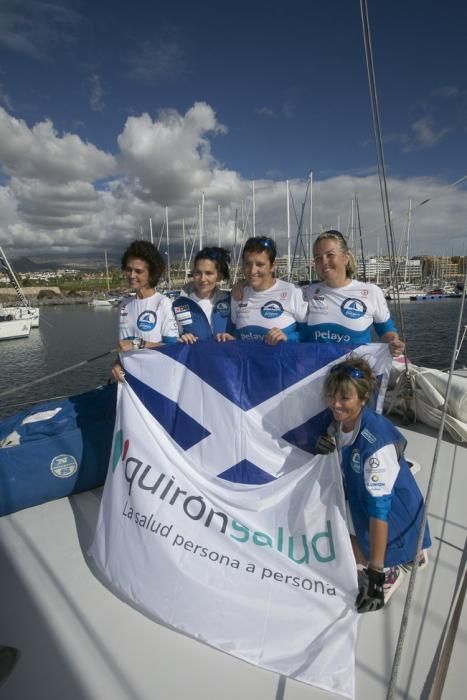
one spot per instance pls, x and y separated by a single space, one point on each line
205 309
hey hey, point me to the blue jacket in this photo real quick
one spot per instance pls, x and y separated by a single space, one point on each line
192 319
405 510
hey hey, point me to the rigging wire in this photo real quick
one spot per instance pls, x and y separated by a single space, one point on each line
408 390
56 374
393 270
407 385
413 575
46 399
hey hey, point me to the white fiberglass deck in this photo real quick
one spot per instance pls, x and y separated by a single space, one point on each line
80 642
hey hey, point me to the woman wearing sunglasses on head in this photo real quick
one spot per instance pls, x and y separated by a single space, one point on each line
204 310
384 503
269 309
341 309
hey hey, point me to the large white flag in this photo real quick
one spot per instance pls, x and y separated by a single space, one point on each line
218 520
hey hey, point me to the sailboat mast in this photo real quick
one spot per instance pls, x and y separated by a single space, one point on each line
359 223
288 229
5 264
377 263
168 248
202 220
254 209
184 250
200 228
107 271
310 240
409 214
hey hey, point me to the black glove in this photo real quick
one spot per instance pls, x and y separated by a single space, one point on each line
371 593
325 444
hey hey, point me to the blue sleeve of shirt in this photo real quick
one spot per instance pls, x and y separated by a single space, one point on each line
169 339
302 330
379 507
386 327
293 335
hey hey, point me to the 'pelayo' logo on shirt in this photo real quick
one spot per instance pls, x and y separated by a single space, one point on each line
353 308
146 321
272 309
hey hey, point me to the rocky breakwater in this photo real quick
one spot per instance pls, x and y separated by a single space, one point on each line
44 296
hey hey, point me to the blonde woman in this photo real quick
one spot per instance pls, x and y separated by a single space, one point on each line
341 309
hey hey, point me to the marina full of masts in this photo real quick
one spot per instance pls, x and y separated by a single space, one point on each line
422 272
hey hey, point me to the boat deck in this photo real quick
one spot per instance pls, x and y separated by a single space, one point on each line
80 642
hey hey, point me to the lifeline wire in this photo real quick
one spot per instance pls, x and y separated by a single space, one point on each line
56 374
413 575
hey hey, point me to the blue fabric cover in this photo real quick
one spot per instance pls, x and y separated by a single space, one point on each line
65 454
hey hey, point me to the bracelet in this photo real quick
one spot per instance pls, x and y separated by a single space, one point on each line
379 569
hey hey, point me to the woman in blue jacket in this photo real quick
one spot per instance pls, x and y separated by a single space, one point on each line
384 503
204 309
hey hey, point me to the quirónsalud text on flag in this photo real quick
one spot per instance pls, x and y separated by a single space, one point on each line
218 520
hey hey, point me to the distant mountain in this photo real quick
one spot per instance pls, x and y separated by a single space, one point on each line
26 265
22 265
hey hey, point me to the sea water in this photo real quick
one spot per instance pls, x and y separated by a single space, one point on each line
68 335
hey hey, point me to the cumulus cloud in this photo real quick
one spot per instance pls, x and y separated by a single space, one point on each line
54 206
5 99
41 153
170 158
61 194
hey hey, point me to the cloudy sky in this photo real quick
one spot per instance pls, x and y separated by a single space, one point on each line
112 111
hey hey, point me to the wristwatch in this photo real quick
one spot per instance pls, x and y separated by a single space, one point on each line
138 343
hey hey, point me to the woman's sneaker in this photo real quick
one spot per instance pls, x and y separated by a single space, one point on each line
393 578
422 562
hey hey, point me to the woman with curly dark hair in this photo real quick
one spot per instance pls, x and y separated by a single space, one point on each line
146 319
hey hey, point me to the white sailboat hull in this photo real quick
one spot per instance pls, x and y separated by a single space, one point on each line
14 329
31 313
102 303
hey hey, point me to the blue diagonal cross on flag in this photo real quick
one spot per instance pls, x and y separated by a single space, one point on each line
230 406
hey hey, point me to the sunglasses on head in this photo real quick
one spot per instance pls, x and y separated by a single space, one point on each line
352 372
331 234
265 241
